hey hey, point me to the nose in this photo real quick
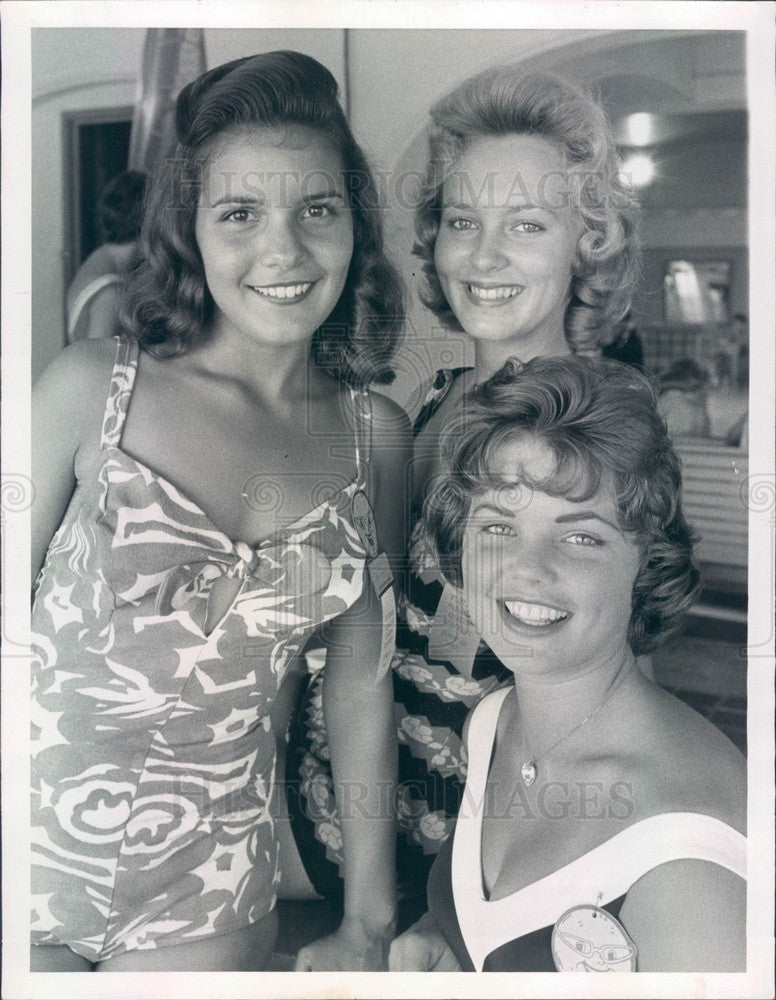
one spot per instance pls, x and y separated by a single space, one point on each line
488 253
281 245
531 563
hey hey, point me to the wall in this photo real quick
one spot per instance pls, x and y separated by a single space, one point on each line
393 78
75 69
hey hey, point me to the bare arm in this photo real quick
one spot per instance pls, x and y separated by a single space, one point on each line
688 916
358 708
67 405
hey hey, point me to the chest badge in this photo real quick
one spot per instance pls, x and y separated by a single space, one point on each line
589 939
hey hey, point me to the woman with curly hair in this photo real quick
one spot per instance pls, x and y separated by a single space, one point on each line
226 504
602 825
527 233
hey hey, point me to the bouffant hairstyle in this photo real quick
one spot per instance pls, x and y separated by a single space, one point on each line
599 420
121 207
502 102
168 305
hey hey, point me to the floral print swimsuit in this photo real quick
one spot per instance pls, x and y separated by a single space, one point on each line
153 751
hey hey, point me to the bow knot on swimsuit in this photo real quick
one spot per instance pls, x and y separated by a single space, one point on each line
300 570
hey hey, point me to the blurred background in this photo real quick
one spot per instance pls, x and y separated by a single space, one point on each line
677 100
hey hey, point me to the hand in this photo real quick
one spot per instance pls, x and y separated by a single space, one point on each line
422 948
352 947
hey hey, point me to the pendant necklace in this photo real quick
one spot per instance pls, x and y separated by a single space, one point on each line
528 770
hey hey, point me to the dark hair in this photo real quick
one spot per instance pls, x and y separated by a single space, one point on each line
121 207
685 375
599 419
502 101
169 304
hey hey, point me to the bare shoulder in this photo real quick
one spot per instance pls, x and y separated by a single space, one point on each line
68 400
81 370
694 765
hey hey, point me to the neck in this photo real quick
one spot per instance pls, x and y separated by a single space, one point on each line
548 709
271 371
489 355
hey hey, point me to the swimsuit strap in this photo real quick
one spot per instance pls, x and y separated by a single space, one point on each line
120 392
362 423
436 395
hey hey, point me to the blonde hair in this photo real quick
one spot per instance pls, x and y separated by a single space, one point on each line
502 101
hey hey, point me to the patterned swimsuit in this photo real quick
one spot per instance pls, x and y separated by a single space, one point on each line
153 752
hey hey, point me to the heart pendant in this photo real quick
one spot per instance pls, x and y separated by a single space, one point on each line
528 771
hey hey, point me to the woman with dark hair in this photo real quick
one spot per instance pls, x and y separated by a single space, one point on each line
602 826
227 504
93 295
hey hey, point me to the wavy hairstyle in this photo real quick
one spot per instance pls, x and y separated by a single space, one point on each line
168 304
500 102
599 419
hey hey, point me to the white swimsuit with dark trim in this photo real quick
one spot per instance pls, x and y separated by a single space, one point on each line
514 933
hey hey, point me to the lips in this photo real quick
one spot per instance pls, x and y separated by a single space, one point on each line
491 295
535 615
283 294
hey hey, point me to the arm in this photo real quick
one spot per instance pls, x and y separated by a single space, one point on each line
67 405
422 948
362 739
688 916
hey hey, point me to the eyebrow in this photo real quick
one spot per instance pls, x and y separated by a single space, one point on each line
585 515
258 199
574 516
467 207
238 199
493 508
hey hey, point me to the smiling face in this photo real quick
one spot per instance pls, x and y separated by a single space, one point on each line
507 241
547 581
275 232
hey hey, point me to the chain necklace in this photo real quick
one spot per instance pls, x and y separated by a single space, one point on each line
528 770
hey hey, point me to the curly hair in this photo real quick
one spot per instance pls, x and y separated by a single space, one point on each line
501 102
599 420
168 305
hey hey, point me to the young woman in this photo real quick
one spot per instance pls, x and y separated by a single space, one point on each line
602 825
207 521
527 237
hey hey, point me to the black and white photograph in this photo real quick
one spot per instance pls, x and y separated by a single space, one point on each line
388 499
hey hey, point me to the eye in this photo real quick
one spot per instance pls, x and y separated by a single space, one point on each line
529 227
318 210
582 538
617 953
238 215
581 945
498 528
461 224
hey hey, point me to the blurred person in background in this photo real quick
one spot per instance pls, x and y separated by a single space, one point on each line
93 295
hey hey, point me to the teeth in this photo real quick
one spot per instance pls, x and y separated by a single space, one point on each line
492 294
534 614
283 291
